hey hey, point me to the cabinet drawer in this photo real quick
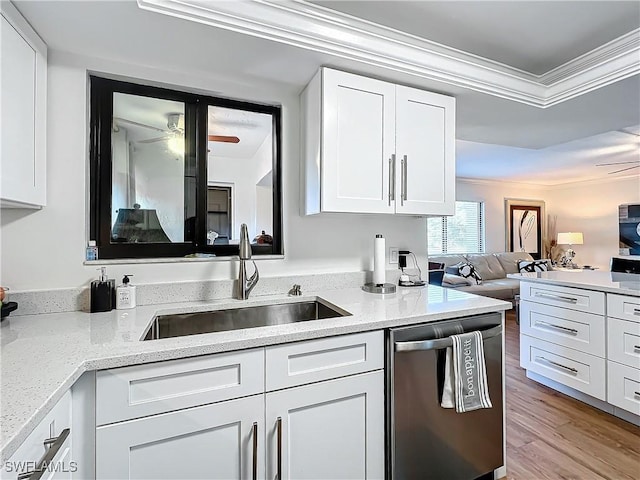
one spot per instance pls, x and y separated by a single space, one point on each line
623 387
625 307
579 330
142 390
316 360
572 298
33 448
624 342
578 370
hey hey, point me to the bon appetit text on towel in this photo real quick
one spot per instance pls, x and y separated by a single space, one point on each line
465 382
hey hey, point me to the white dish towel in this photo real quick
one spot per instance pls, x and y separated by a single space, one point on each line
465 377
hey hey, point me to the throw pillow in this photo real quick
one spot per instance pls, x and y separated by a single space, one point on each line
455 280
527 266
467 270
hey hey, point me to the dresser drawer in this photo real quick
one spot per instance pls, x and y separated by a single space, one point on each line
623 387
578 370
624 307
566 297
624 342
142 390
579 330
316 360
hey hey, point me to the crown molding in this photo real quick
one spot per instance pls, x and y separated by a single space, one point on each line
312 27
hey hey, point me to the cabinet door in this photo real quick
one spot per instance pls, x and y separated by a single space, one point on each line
358 141
425 149
329 430
23 92
213 442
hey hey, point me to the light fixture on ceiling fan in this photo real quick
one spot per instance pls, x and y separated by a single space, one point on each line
174 133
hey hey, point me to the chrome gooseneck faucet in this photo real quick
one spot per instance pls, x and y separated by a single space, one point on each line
245 285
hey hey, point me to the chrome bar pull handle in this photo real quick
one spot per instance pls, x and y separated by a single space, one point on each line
557 297
392 178
54 444
255 450
573 371
636 348
279 459
571 331
636 311
404 178
440 343
637 394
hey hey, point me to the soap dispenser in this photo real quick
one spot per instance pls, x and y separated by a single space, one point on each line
126 294
103 293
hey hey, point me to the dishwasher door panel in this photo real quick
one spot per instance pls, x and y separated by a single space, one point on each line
431 442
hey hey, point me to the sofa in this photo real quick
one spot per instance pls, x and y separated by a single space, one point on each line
492 268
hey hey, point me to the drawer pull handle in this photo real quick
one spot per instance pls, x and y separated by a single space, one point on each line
636 348
557 297
636 311
255 450
637 394
573 371
279 460
54 444
572 331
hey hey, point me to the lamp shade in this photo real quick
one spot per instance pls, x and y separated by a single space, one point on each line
570 238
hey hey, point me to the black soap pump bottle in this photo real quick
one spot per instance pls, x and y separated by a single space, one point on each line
103 293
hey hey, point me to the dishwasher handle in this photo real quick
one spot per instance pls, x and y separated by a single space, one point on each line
439 343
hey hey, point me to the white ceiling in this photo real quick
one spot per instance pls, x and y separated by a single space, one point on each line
122 31
534 36
150 121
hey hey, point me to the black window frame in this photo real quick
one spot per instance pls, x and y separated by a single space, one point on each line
196 150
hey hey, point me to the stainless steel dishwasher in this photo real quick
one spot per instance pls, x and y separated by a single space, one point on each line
424 440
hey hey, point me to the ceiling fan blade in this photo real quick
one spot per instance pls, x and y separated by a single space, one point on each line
223 138
615 163
153 140
624 169
138 124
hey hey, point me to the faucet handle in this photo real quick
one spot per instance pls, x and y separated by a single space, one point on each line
295 290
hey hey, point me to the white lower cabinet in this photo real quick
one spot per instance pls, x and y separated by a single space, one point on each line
47 448
213 441
328 430
328 424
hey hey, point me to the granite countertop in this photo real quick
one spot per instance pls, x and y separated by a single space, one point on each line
610 282
43 355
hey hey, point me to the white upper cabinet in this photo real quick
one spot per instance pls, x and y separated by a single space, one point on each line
374 147
24 102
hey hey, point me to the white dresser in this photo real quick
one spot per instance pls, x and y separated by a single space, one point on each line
582 340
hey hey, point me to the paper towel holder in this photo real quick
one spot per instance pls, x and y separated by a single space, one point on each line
382 288
378 283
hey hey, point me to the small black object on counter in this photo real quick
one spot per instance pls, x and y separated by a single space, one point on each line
7 308
103 293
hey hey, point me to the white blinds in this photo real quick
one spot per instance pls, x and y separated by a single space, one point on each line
461 233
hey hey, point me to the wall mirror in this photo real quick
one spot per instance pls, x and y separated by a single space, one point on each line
176 174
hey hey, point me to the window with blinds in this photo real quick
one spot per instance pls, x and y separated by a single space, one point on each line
461 233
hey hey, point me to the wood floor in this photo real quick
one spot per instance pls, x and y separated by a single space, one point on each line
552 436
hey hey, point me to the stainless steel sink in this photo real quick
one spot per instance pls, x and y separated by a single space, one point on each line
181 324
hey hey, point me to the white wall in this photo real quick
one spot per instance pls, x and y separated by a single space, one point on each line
45 249
592 208
587 207
493 194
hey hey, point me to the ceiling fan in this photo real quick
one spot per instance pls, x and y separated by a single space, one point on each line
635 163
175 128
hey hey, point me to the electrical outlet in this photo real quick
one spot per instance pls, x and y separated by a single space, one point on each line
393 255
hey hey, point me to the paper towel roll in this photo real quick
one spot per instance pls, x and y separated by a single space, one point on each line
378 260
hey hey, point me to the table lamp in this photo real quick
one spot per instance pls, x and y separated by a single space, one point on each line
569 238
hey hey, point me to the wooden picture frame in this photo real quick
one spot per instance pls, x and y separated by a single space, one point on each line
525 222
